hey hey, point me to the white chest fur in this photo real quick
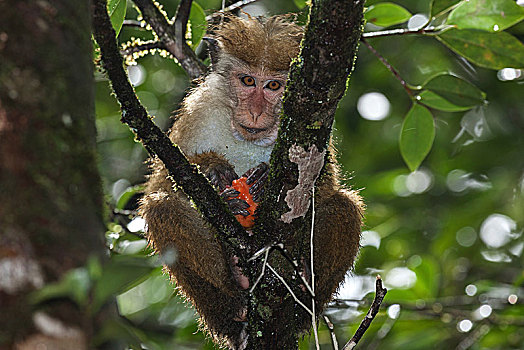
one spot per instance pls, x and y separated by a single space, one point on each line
215 135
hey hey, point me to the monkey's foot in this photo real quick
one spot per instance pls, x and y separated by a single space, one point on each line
240 278
241 316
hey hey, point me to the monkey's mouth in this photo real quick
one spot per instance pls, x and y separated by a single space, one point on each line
252 130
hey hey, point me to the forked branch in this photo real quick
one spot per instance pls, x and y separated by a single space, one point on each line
173 36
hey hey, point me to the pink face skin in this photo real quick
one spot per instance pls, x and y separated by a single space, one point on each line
258 106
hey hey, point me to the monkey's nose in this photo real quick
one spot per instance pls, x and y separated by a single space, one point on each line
255 114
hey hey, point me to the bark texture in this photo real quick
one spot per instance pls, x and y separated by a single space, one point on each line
51 207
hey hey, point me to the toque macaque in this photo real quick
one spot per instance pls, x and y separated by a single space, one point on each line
228 125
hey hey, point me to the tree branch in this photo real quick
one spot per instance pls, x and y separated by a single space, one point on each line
237 5
173 37
329 325
317 81
392 69
184 174
404 31
380 293
142 46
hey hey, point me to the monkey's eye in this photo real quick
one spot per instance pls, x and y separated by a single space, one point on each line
248 80
273 85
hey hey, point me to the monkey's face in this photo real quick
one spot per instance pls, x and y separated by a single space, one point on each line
258 101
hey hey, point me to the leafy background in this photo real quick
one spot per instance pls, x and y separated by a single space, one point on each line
446 238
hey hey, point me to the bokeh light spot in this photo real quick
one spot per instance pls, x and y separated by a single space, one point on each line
373 106
471 290
417 21
137 74
370 238
485 311
496 230
401 277
394 311
163 81
137 224
419 181
508 74
466 236
464 326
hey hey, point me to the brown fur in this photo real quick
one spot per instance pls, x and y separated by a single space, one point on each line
271 44
202 270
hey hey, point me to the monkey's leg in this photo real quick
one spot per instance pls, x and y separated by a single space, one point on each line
174 225
338 221
219 311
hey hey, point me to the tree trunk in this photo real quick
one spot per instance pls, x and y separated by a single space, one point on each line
51 207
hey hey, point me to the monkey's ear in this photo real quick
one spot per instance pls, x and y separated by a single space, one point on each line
213 49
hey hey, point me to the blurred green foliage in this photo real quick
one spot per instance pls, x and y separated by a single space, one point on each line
446 238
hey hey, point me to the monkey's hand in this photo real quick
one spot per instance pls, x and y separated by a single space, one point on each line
245 192
216 168
236 205
257 178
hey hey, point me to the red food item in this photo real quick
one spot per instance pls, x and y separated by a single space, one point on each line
241 186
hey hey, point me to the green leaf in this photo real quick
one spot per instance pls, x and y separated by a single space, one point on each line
433 100
488 15
455 90
127 195
117 13
74 284
119 275
386 14
416 136
489 50
197 20
437 6
428 277
301 3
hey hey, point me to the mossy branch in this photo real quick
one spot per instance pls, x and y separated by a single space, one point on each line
185 175
317 81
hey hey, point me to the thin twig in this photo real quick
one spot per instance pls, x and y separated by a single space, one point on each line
145 46
404 31
312 261
233 7
173 37
134 24
380 293
389 67
285 254
280 248
289 290
262 272
331 328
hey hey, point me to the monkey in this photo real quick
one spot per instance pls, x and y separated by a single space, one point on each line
227 125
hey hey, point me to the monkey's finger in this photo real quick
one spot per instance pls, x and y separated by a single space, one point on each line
242 212
259 184
257 196
256 173
229 192
237 203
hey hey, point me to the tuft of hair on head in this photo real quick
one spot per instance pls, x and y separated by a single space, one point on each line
270 43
